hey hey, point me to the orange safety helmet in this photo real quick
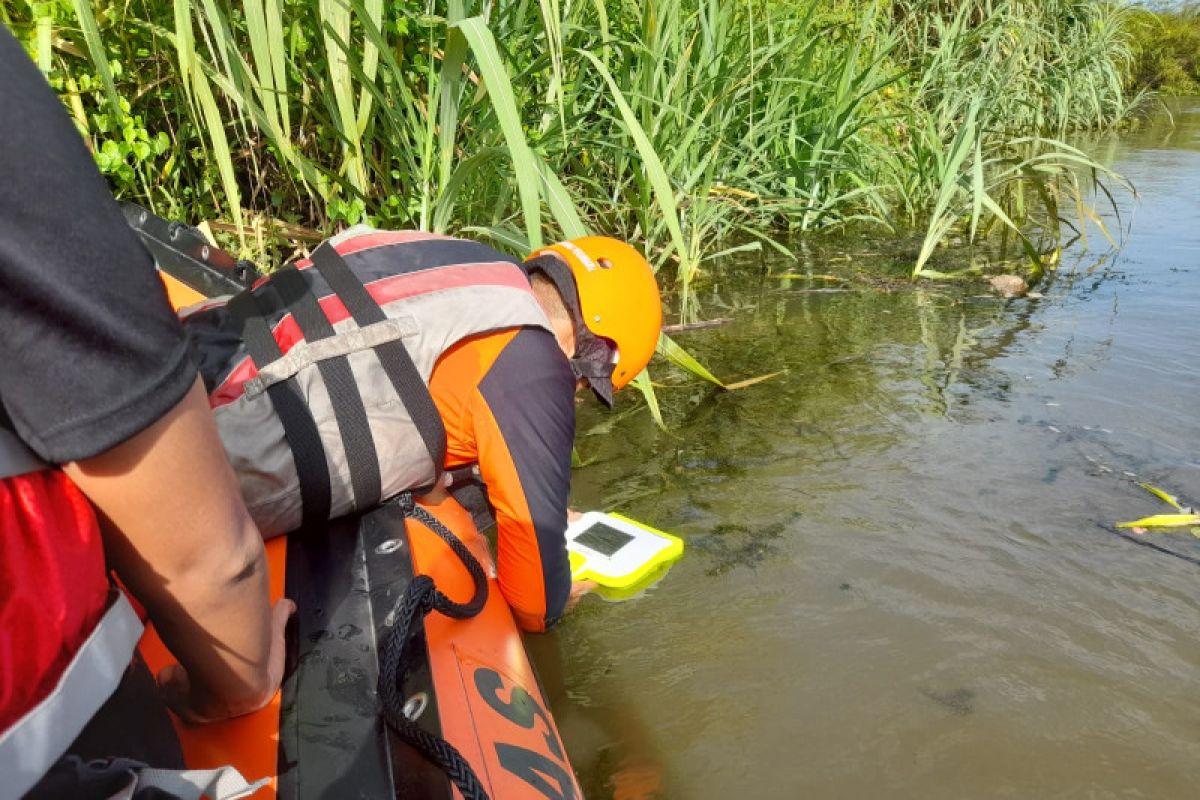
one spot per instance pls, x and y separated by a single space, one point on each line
618 299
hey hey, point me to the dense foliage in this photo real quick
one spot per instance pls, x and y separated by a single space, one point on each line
693 126
1166 48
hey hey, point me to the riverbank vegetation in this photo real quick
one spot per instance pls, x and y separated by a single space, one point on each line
696 127
1166 48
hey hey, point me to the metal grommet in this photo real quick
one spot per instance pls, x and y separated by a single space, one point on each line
415 706
145 215
596 318
389 546
204 252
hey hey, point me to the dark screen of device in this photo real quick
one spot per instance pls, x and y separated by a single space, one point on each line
604 539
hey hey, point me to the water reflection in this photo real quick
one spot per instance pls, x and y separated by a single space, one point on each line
902 579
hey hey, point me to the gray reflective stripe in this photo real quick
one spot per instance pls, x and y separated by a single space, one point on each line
38 739
305 354
15 456
223 783
354 231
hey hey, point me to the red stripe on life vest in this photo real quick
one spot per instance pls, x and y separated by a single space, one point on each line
366 241
384 291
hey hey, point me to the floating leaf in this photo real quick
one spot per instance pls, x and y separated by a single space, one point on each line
1166 498
732 387
1163 521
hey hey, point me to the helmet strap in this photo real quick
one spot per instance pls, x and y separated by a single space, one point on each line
598 376
592 361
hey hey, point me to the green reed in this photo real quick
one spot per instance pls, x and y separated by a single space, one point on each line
1165 47
692 126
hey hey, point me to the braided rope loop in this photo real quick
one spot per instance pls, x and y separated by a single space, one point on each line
421 597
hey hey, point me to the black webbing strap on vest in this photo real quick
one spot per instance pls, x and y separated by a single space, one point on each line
348 408
298 426
393 356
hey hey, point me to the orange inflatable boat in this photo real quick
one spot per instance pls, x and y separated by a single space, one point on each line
465 688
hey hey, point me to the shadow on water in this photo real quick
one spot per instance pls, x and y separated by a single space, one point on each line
900 578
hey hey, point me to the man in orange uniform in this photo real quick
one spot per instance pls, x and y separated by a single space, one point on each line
508 403
317 427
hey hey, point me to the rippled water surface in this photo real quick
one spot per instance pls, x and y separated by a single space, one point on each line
902 579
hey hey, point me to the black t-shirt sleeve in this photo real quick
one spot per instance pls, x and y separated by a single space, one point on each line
90 350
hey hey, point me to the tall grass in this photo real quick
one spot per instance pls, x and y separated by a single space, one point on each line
691 126
1166 47
999 83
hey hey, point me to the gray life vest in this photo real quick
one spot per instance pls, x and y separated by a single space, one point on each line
318 375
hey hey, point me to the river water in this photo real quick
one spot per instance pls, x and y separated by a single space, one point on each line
902 578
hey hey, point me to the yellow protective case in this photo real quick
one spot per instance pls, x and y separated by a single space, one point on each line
620 586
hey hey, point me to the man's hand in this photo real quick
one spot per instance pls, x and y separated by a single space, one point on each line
194 705
578 590
637 779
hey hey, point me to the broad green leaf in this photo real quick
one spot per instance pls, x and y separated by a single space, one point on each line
503 234
336 20
275 26
261 47
448 90
95 46
370 63
562 208
45 42
643 384
664 195
500 91
685 360
215 127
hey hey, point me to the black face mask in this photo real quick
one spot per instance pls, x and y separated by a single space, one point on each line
593 360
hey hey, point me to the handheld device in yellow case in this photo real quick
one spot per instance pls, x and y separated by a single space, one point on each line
619 554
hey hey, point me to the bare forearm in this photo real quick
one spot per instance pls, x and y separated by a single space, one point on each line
179 536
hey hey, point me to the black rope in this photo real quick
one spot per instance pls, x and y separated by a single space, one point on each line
421 597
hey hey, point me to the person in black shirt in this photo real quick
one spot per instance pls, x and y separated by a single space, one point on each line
95 377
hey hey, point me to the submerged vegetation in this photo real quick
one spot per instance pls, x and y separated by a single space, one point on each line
694 126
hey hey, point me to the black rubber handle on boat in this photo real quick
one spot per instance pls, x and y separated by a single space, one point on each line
183 253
